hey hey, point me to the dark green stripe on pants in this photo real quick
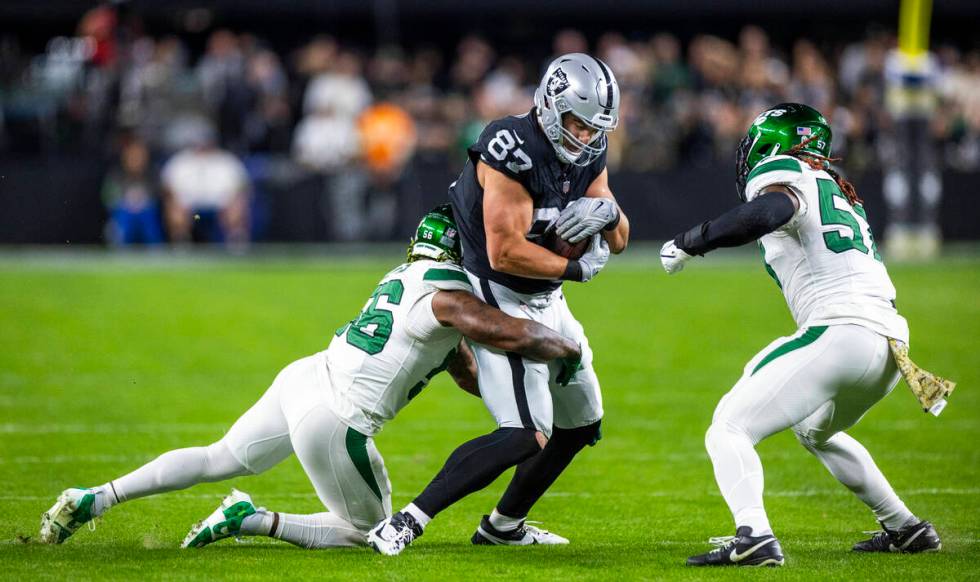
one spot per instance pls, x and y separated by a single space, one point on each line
809 336
358 453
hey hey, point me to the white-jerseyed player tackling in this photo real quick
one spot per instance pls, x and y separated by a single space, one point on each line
820 381
325 408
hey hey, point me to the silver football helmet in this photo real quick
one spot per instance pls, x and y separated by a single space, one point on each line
585 87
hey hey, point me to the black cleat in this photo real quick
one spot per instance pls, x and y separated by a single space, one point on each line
742 549
919 537
524 535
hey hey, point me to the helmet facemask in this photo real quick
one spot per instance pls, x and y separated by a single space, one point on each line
581 153
742 165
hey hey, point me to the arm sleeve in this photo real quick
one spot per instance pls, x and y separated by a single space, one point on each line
739 225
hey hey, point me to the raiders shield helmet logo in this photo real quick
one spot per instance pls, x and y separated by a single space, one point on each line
557 83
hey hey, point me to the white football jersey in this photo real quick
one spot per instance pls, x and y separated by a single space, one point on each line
385 356
825 259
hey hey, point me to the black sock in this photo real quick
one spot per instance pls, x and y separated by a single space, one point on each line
535 475
474 465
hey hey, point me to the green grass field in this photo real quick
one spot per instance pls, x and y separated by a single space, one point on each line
106 363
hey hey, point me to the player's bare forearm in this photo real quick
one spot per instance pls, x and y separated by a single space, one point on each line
491 327
617 237
507 214
538 342
462 367
525 259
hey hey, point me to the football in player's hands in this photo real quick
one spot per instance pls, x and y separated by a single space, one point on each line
562 247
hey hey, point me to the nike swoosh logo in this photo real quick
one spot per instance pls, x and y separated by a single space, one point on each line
502 541
913 538
736 557
378 531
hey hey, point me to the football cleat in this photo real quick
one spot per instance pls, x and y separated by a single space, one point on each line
524 535
919 537
73 509
394 534
224 522
742 549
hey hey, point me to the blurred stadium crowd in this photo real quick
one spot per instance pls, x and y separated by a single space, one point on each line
189 134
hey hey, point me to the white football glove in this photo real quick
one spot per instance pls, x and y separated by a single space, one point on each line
673 258
584 217
595 258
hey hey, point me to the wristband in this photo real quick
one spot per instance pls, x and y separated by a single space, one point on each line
692 241
573 271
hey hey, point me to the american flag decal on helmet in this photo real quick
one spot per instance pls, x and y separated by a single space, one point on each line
803 131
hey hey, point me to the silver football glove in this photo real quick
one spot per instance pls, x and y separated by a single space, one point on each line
595 258
584 217
673 258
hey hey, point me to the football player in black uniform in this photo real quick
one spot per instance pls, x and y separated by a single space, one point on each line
529 177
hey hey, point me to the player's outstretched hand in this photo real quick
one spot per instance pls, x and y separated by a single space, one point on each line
595 258
673 258
584 217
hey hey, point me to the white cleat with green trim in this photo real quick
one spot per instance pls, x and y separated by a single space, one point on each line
224 522
73 509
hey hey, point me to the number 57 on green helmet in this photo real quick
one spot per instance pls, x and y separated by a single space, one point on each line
778 130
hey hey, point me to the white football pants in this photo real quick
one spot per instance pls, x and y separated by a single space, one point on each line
293 415
820 382
523 393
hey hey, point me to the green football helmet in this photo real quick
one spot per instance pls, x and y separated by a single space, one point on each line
437 237
778 130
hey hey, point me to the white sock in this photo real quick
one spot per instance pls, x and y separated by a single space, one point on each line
418 514
852 465
738 472
179 469
105 497
259 523
313 531
501 522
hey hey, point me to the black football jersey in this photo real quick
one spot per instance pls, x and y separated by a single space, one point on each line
518 147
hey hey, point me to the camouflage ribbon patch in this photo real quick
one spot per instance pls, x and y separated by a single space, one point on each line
931 390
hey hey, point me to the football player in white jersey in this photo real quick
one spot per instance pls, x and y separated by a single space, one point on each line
817 245
325 408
